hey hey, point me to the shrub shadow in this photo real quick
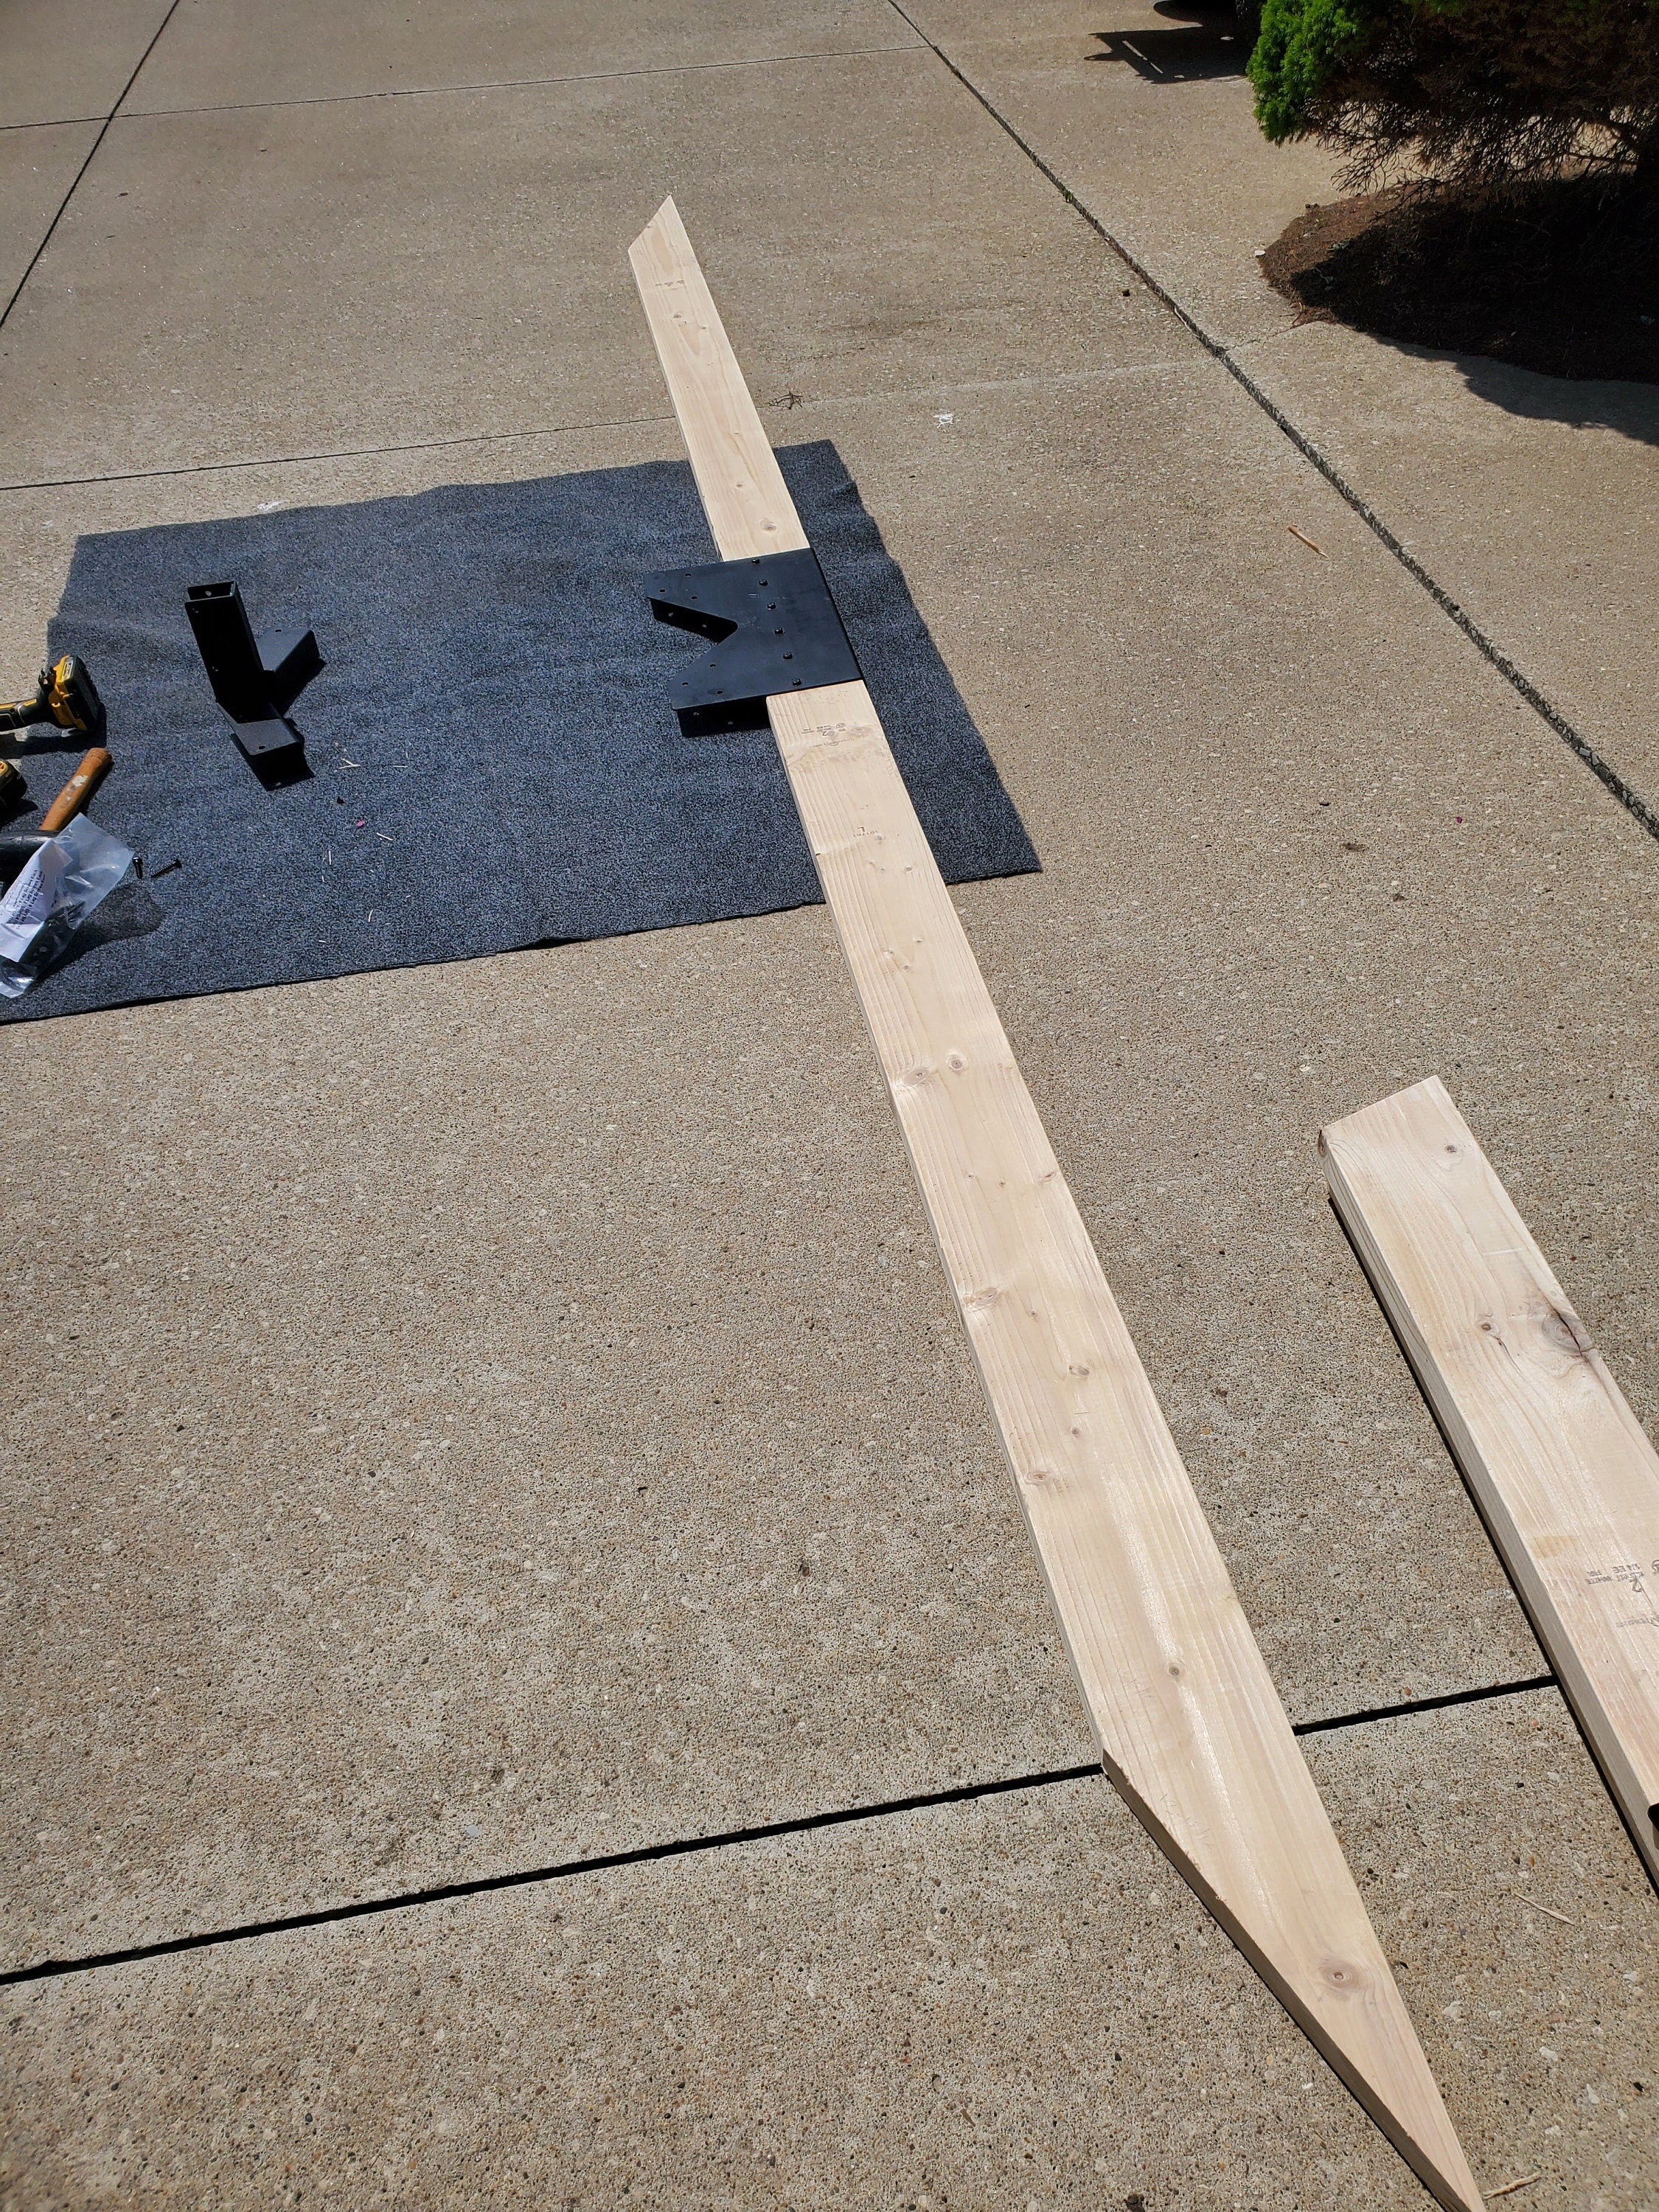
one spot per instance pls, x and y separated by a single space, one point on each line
1209 44
1582 404
1546 298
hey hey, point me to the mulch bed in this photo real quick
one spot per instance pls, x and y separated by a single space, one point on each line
1562 278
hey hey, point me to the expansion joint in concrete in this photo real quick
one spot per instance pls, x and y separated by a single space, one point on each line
336 453
683 1847
1425 1705
769 408
91 154
517 83
1626 793
50 123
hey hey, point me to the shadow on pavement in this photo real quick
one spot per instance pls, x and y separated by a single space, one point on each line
1208 45
1546 296
1630 409
1580 403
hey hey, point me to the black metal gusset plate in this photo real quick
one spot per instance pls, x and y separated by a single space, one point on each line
774 628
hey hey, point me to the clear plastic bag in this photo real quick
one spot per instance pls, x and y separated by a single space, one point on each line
51 894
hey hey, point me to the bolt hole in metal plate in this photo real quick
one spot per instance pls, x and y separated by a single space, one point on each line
772 627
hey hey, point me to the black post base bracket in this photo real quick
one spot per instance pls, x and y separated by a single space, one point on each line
774 628
255 680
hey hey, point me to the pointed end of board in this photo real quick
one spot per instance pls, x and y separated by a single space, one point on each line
667 218
1444 2172
1457 2190
1380 2059
1315 1948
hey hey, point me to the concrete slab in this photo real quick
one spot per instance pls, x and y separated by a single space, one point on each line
1290 857
1009 2002
262 279
1534 501
521 1419
1184 701
577 1259
37 168
1146 115
1535 498
67 60
216 55
500 1413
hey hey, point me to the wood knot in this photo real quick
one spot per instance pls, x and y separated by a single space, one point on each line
1565 1332
955 1062
981 1301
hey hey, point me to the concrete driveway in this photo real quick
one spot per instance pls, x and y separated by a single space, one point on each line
499 1429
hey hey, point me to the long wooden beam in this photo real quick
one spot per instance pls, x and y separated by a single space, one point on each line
1558 1465
1190 1728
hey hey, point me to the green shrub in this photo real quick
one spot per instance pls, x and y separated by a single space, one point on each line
1475 92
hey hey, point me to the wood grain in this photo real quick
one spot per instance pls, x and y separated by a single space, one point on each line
1564 1476
1191 1730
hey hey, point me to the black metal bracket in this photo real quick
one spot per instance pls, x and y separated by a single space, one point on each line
255 680
774 627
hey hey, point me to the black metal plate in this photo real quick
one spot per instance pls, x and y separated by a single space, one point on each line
273 749
289 658
775 627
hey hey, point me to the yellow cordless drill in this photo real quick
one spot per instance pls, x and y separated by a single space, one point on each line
66 696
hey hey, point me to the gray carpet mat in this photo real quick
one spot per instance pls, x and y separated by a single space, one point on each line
495 761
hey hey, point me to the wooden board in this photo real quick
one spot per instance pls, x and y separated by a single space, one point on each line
1191 1730
1564 1477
